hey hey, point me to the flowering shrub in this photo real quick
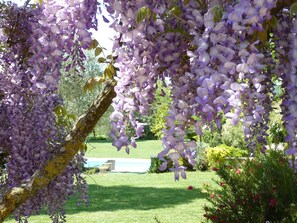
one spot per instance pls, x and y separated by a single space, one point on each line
258 190
219 153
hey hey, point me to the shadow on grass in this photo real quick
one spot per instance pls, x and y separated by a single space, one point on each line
135 198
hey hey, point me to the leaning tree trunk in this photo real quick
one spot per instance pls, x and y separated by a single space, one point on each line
16 196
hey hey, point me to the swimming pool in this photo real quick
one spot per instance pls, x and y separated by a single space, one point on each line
121 164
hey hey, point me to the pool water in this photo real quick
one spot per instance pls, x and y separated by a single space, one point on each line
121 165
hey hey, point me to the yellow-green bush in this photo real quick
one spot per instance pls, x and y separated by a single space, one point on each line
217 154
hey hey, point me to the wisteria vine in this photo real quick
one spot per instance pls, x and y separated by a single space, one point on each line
38 39
214 60
218 58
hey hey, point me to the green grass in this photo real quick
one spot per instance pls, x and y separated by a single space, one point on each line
126 198
104 149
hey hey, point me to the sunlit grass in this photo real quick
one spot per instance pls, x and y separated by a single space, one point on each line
143 198
104 149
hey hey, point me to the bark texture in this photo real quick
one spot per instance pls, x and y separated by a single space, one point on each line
60 159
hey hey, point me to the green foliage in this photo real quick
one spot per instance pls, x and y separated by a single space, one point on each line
156 163
191 134
109 70
233 135
160 107
63 117
218 13
92 170
293 9
159 120
276 132
92 83
212 137
184 162
148 133
202 163
96 137
217 155
228 134
259 190
3 157
278 90
76 100
144 13
175 11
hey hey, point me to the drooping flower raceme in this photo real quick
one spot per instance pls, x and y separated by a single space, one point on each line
216 58
287 69
29 76
213 65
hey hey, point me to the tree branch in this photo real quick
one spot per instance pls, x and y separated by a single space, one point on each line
60 159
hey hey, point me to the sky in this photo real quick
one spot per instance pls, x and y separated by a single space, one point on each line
104 35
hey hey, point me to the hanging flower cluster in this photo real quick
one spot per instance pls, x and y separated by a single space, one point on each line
30 70
214 55
211 56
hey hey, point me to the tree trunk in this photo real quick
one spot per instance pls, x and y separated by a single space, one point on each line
16 196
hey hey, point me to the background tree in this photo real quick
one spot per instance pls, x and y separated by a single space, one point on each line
77 99
160 107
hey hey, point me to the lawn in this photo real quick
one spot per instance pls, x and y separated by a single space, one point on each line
104 149
143 198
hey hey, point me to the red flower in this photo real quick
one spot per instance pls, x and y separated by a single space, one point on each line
237 171
256 197
215 169
212 217
272 202
212 195
190 188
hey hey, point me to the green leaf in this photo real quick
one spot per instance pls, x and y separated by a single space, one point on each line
94 44
176 11
273 22
293 9
109 71
186 2
262 36
98 50
101 60
92 83
218 13
110 57
143 13
71 116
58 109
